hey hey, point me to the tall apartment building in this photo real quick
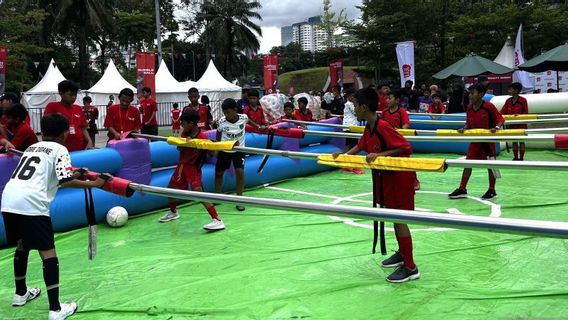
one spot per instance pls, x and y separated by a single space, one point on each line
307 34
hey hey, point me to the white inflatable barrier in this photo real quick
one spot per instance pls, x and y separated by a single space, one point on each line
539 103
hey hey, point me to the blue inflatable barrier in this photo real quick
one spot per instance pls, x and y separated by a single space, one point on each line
434 126
98 160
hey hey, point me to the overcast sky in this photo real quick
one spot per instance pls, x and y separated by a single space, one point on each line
278 13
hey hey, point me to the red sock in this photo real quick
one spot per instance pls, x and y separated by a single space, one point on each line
173 206
405 245
213 213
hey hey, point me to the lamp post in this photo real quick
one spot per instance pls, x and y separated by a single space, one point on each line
193 63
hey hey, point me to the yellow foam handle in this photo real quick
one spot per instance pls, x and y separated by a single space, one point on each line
403 132
203 144
481 132
356 129
384 163
520 116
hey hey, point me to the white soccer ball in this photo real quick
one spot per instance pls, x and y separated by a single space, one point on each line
117 217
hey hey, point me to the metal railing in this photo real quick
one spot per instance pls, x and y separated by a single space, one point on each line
162 116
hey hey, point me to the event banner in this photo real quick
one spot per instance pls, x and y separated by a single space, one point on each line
3 59
405 57
270 63
521 76
146 72
550 80
336 73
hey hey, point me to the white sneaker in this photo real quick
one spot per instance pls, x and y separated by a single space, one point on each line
169 216
214 225
31 294
67 309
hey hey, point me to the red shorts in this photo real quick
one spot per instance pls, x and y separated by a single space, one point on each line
185 176
398 187
480 150
176 125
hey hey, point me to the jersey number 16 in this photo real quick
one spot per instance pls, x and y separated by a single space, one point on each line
26 168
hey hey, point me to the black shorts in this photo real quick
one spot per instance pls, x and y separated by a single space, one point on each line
153 130
36 232
224 160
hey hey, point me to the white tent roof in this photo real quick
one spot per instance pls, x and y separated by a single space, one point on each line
188 84
166 83
111 82
212 80
48 84
506 56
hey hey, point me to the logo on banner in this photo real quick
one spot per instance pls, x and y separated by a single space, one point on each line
516 58
406 70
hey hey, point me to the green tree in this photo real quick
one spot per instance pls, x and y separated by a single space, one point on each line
229 31
19 28
330 23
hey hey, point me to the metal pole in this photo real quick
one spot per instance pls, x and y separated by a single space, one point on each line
550 229
462 122
462 115
158 30
193 58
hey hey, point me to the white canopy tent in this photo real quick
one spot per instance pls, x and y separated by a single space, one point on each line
45 90
188 84
217 89
506 56
110 83
168 89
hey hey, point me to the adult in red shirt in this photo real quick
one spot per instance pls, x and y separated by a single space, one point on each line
20 134
149 112
395 115
436 106
384 93
122 117
303 113
255 113
516 105
479 115
380 139
7 100
205 117
78 138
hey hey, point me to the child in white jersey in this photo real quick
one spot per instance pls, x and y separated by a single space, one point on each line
25 207
231 127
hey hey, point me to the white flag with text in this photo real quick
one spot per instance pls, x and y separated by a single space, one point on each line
405 57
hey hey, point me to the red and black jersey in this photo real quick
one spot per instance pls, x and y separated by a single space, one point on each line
439 108
397 187
383 103
397 118
191 156
205 116
308 116
256 116
486 117
285 117
518 107
22 137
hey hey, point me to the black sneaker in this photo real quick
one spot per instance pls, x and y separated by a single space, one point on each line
394 261
490 194
240 208
403 274
458 194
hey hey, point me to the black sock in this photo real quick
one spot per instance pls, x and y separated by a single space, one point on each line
20 270
51 278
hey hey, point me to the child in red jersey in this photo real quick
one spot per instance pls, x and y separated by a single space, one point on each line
303 113
381 139
149 112
288 112
483 115
516 105
20 134
255 113
78 138
205 117
122 117
436 106
175 115
188 171
395 115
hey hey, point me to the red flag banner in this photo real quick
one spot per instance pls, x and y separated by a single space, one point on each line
146 71
270 63
336 73
3 59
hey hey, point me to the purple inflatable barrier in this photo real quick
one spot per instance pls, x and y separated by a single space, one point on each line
136 160
8 163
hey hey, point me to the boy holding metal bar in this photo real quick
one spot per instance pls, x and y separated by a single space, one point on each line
479 115
188 171
392 189
516 105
